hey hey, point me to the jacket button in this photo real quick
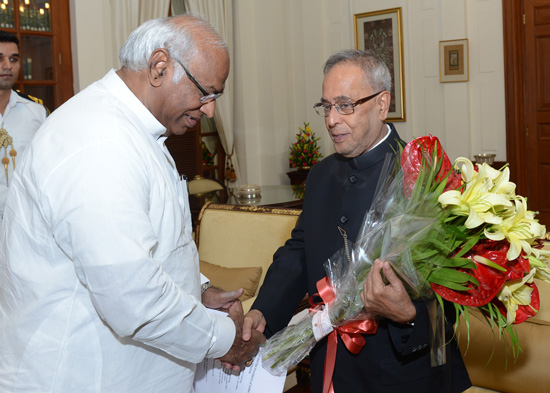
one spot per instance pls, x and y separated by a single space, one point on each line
353 178
343 219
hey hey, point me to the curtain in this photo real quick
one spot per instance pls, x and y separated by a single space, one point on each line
127 15
178 7
220 15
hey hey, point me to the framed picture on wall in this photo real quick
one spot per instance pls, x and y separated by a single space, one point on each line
382 32
453 61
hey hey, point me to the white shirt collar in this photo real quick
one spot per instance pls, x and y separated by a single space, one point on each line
383 139
119 89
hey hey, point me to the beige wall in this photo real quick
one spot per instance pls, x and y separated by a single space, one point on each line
280 48
91 41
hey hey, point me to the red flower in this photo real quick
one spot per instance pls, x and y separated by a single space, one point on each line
421 149
490 279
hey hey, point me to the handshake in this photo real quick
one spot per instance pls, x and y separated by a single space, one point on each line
249 330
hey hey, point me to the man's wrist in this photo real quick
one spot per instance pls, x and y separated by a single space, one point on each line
204 287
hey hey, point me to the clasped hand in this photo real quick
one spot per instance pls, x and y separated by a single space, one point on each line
243 349
389 300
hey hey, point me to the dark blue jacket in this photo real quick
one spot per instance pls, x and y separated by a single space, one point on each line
396 359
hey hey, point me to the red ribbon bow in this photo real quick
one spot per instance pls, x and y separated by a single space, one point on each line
351 334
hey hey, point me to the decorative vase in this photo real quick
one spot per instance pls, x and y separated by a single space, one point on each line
298 176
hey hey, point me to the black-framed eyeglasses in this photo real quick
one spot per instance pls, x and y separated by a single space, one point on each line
207 97
344 107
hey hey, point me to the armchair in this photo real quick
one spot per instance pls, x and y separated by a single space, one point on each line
236 244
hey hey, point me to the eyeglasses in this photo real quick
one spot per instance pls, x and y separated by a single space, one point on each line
344 108
207 97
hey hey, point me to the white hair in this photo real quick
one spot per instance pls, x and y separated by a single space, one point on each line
180 35
374 69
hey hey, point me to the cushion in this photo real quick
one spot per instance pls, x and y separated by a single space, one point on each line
231 278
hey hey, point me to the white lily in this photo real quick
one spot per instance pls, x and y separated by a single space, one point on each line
520 229
503 185
539 260
514 294
543 274
541 254
485 195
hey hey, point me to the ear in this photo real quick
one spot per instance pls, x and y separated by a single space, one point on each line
384 104
157 68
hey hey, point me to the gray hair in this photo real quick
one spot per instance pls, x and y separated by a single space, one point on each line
375 71
180 35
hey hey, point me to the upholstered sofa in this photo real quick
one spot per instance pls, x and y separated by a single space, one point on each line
236 244
242 239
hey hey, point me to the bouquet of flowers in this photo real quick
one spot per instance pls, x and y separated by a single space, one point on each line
304 153
450 232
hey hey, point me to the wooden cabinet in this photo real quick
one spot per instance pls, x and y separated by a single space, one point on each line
43 29
198 153
185 152
192 160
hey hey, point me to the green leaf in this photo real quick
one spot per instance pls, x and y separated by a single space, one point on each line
455 262
468 246
450 275
446 283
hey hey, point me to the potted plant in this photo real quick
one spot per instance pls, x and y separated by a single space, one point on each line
304 152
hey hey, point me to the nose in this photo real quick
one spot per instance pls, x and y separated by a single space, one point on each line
208 109
6 63
334 117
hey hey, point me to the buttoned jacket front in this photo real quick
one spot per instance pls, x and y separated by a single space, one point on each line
339 192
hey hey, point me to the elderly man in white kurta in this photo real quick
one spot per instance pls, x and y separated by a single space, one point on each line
99 276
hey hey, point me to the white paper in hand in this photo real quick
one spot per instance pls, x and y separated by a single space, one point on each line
211 377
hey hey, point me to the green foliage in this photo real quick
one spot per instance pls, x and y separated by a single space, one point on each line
305 151
207 157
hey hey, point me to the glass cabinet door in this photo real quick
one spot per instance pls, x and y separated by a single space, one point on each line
34 15
31 15
44 39
37 65
7 20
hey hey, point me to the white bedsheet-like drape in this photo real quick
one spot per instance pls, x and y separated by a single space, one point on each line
220 15
127 15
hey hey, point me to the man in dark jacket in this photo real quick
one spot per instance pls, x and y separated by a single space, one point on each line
339 191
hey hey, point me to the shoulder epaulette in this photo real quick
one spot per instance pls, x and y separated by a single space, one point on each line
35 99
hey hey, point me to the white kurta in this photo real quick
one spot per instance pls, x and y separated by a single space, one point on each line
99 275
22 117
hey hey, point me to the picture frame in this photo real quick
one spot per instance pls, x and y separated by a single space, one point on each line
382 32
453 61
